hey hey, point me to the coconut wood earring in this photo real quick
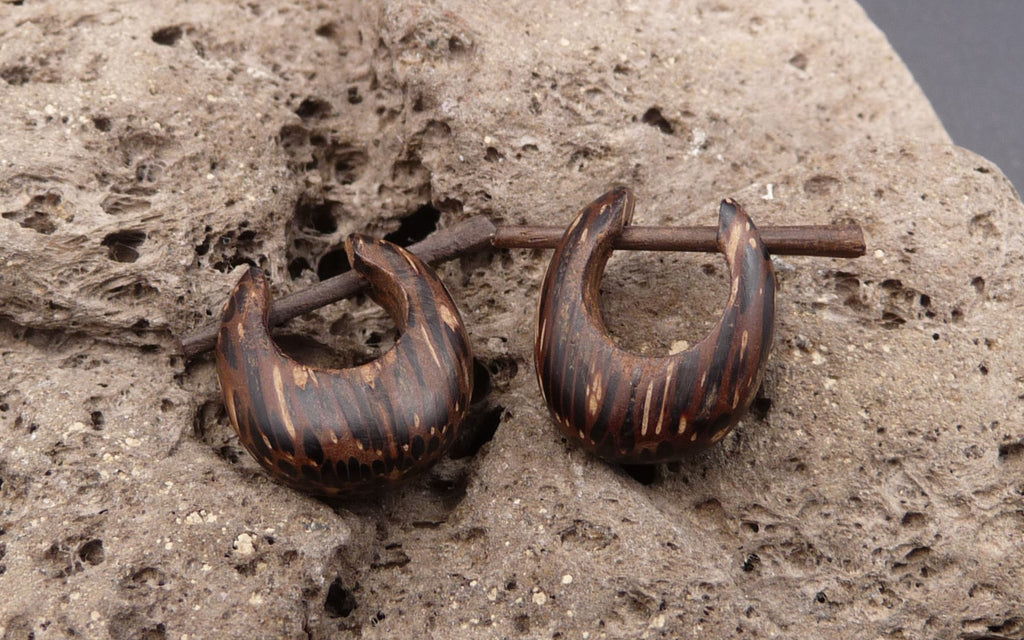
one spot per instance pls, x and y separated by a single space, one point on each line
633 409
329 431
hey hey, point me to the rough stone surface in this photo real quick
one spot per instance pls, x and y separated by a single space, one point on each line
150 149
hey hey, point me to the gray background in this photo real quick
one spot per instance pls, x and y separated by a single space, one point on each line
967 57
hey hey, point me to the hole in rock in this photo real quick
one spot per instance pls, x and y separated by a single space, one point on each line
503 370
38 221
148 171
207 415
912 519
1011 450
374 339
146 577
121 245
292 136
167 36
332 263
481 381
297 266
203 247
448 484
522 623
316 216
821 184
760 407
313 108
456 45
751 562
340 601
416 226
478 428
16 75
654 118
892 320
326 30
645 474
348 163
1010 625
891 285
92 552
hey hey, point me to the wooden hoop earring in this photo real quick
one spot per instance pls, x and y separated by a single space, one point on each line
328 431
633 409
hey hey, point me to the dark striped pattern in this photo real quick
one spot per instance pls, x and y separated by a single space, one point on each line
329 431
633 409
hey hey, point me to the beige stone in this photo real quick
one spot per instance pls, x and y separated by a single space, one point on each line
150 149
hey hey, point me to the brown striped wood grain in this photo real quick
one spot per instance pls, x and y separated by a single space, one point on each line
337 431
629 408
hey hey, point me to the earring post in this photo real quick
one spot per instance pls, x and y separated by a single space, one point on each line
467 236
478 232
833 241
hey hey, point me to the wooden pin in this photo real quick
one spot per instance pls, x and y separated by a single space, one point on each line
477 233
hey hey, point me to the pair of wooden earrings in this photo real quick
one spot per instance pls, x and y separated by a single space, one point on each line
331 431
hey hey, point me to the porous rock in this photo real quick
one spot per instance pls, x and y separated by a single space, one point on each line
152 150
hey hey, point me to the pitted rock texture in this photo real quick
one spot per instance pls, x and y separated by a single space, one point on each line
151 150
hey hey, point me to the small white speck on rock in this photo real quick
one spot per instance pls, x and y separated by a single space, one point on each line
243 545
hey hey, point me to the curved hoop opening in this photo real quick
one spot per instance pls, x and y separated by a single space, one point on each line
657 304
596 268
381 266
